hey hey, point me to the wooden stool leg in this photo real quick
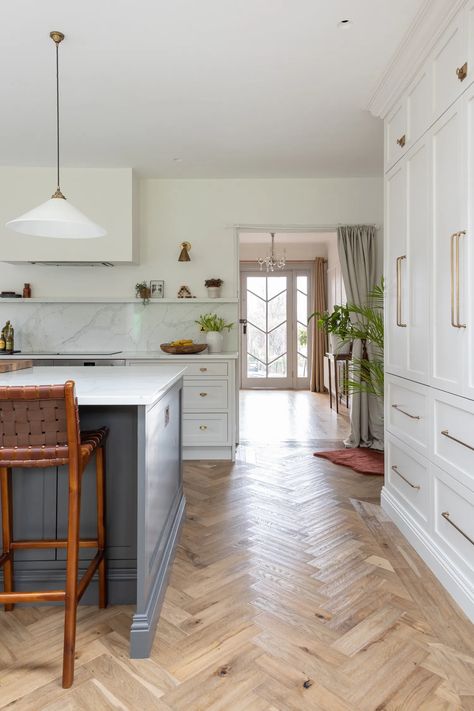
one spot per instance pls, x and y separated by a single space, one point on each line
7 530
100 479
72 564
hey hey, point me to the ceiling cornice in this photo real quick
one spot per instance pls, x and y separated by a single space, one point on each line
427 27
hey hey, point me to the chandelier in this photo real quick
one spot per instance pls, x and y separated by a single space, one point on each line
272 261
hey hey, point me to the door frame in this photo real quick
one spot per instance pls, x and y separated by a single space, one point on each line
292 382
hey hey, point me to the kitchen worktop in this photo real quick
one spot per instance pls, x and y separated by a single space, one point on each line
104 386
123 355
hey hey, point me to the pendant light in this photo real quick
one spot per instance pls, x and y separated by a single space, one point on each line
56 217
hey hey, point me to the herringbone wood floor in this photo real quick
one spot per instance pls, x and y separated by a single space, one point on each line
290 591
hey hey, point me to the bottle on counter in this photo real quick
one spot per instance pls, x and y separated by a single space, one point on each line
9 338
3 344
26 290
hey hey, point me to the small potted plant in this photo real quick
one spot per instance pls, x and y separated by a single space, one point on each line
213 287
213 326
337 325
143 290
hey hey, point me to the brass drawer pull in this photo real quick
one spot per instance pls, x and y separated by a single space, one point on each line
399 291
401 141
395 469
404 412
203 394
203 427
462 72
203 370
455 269
445 433
445 515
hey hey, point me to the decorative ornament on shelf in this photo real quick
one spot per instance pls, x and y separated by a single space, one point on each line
56 217
272 261
213 287
184 254
143 291
213 326
185 293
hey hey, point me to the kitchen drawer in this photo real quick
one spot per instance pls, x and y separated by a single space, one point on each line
205 369
408 478
454 521
207 429
205 394
407 412
453 440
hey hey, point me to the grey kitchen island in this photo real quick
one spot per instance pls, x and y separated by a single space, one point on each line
145 501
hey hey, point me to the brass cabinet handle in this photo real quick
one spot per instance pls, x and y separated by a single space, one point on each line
203 370
203 427
445 515
203 394
399 291
455 296
462 72
413 486
402 140
399 409
445 433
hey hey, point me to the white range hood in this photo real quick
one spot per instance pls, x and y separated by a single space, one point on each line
107 195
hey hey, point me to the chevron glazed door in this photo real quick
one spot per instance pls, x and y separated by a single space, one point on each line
274 342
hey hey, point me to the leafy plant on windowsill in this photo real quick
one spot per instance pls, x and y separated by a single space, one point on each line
213 322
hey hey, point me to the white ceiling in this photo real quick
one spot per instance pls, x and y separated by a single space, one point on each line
234 88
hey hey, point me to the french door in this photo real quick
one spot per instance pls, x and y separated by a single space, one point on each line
274 334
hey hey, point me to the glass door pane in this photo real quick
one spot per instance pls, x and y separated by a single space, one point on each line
302 325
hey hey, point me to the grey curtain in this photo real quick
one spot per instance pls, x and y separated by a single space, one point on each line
319 338
356 248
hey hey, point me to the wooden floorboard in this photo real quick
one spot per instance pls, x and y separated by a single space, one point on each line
290 591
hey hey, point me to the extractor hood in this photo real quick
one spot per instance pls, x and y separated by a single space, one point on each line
107 195
73 264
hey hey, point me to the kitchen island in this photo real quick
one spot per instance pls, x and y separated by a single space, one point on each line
145 501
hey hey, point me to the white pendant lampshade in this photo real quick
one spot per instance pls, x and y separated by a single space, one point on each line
56 217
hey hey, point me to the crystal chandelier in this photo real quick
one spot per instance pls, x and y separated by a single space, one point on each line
272 261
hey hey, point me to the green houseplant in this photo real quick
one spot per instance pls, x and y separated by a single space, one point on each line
213 326
143 290
213 287
337 325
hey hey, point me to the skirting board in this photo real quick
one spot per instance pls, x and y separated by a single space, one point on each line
205 453
450 578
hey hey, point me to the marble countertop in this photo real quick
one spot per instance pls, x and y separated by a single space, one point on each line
123 355
107 385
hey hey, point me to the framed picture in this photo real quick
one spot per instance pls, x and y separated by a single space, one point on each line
157 289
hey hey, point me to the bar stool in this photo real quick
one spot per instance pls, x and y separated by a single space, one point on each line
39 427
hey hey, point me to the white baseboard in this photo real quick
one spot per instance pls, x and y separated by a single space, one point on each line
449 576
208 453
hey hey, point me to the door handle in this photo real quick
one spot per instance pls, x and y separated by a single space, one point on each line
455 279
243 321
399 291
461 72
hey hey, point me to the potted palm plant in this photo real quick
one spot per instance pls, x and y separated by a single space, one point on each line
213 326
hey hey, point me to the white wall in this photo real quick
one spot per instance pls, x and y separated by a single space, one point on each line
293 251
203 212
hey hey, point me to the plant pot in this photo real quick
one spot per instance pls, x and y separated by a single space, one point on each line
337 345
215 341
213 292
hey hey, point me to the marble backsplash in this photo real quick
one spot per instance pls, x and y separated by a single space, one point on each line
115 326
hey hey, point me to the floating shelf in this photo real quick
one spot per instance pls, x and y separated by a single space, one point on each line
114 300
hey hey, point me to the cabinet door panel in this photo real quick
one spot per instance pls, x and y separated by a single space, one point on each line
418 262
468 305
396 134
395 269
420 105
449 200
450 54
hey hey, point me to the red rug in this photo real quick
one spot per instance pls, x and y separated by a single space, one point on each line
362 460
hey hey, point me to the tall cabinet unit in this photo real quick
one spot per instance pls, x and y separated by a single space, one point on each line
429 315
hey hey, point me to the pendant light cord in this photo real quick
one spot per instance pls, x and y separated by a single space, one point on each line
57 114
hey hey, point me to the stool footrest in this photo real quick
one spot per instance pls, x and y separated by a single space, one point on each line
38 596
4 558
50 543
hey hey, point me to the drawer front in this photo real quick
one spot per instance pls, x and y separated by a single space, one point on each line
208 429
408 478
205 369
205 394
408 412
453 441
454 521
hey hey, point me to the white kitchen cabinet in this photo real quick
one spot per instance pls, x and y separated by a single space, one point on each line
396 134
450 64
420 111
449 306
407 209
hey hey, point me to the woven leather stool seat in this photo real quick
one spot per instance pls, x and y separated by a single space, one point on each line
39 427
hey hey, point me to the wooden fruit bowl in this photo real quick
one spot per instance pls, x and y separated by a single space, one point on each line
183 350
